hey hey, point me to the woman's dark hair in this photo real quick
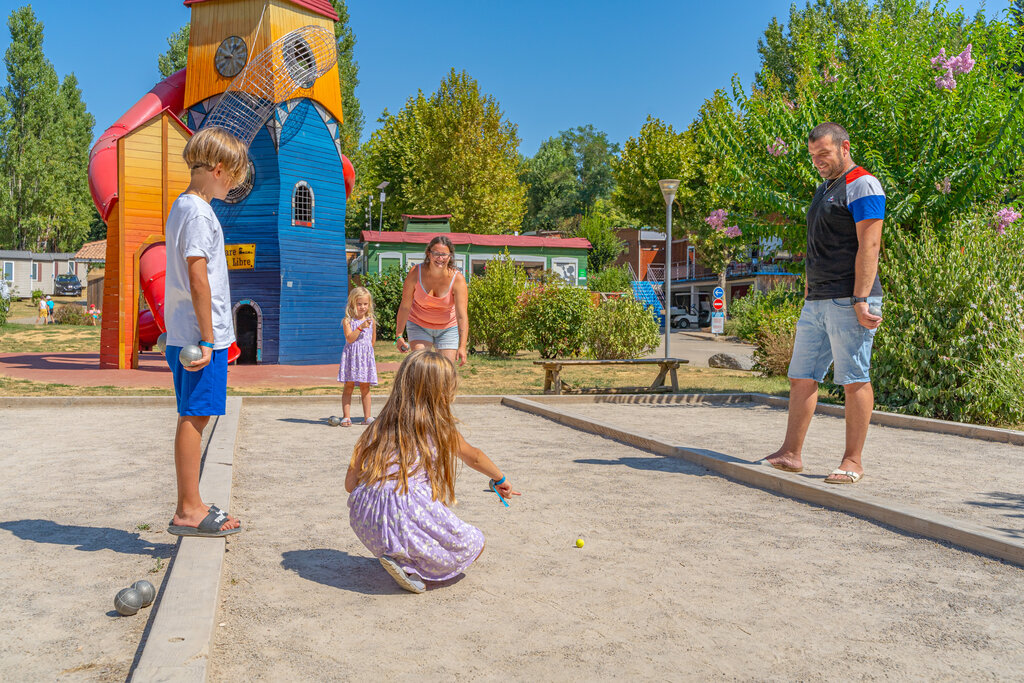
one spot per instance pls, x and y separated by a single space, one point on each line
444 241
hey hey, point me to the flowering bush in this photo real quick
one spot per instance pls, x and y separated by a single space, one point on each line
950 345
937 153
557 316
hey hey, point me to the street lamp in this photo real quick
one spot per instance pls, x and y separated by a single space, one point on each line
381 188
668 191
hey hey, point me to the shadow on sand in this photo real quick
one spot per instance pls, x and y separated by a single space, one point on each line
86 538
356 573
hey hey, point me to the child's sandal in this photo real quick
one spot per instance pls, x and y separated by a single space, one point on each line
346 422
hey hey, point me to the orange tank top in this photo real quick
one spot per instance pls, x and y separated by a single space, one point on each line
433 312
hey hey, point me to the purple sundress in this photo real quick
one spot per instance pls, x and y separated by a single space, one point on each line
357 361
421 534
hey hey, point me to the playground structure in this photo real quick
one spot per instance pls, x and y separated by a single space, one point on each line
284 227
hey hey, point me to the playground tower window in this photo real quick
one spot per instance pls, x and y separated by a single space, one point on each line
302 204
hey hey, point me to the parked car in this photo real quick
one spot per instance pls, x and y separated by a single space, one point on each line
683 318
67 284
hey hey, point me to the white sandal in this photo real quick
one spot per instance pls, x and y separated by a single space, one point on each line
854 477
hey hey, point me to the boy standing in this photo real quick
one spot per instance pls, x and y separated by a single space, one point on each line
197 310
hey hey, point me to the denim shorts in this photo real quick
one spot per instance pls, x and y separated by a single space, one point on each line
828 331
446 339
203 392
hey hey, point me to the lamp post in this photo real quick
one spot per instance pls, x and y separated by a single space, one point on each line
668 191
382 196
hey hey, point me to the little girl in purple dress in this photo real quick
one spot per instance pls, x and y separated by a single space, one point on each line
358 364
402 478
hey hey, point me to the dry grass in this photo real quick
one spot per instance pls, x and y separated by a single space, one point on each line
49 339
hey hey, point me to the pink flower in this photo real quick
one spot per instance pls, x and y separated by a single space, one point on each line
1004 218
827 77
790 104
962 63
944 186
778 148
733 231
939 61
946 81
717 219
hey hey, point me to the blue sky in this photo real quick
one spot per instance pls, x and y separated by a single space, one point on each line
551 64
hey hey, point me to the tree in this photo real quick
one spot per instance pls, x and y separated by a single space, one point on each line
44 141
658 152
348 74
569 173
598 226
941 131
452 152
176 57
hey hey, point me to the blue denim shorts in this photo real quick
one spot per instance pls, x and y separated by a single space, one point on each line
448 338
828 331
203 392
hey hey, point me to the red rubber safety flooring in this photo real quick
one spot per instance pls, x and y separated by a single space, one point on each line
83 369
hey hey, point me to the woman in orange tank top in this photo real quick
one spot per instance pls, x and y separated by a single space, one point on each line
434 305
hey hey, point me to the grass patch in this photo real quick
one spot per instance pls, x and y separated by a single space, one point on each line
49 339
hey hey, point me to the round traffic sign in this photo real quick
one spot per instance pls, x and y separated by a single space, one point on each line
718 304
719 292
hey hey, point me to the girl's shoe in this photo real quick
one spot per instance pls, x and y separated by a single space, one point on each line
369 421
346 422
409 583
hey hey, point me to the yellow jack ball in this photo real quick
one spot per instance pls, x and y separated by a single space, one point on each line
579 542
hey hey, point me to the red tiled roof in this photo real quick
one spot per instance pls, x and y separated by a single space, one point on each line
478 240
93 251
322 7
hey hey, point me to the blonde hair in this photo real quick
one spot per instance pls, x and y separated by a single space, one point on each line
355 293
415 428
215 145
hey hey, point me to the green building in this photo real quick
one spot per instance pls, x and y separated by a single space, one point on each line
565 256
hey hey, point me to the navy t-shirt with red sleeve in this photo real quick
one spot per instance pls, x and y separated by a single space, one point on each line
832 232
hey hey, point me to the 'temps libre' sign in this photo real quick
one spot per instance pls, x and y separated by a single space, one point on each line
240 256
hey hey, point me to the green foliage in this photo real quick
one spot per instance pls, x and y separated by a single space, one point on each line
657 153
760 310
598 226
496 318
348 74
176 57
5 308
621 328
386 289
950 345
557 315
452 152
567 176
45 132
839 62
70 314
614 279
37 294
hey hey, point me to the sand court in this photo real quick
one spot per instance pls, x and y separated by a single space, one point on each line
685 574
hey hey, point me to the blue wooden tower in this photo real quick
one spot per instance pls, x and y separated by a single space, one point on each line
285 226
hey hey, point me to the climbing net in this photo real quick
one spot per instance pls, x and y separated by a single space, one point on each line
292 62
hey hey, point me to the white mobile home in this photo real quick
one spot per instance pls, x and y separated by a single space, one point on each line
25 271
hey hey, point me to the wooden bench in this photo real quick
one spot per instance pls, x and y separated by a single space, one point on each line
668 366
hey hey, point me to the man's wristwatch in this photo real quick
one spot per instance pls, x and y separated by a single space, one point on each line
859 299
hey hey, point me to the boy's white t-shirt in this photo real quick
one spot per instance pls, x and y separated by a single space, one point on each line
193 230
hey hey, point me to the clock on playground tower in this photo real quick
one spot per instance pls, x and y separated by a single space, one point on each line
231 57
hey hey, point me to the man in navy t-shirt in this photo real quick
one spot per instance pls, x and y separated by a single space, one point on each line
842 301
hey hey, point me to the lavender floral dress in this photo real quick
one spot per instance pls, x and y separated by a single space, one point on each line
421 534
357 361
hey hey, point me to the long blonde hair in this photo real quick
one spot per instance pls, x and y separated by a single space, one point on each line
350 307
416 420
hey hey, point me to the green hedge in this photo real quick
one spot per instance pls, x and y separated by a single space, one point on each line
496 316
621 328
386 289
557 315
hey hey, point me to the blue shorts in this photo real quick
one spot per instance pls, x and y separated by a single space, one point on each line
204 392
828 331
448 338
